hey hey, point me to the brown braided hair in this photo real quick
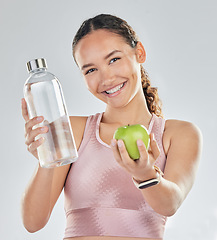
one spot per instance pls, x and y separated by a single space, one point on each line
121 27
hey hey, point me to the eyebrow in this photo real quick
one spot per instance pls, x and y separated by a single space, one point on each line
106 57
111 53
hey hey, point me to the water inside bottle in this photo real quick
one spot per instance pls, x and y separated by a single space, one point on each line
45 99
58 148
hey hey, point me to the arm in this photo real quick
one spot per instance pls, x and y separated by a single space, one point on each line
46 185
182 142
183 156
41 195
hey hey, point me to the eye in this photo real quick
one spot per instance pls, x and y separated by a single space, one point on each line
90 71
113 60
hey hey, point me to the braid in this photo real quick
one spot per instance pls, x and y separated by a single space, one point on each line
151 94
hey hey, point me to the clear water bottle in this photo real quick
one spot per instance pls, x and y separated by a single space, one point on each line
44 97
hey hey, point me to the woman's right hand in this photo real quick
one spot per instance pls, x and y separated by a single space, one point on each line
30 133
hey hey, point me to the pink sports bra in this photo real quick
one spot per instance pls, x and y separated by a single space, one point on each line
100 197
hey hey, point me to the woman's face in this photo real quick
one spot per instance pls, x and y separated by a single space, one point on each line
111 68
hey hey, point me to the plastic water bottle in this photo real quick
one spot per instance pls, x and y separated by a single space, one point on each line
44 97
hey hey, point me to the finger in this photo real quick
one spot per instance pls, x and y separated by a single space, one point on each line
127 161
25 113
34 133
32 122
143 153
154 147
114 147
34 145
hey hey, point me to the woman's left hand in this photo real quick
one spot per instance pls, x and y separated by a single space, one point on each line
143 168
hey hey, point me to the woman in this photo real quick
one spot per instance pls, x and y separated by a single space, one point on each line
101 199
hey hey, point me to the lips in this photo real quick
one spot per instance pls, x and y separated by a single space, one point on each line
115 89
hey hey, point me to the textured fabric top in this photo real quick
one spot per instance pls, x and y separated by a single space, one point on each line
100 197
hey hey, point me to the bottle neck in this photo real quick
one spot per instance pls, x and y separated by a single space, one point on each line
38 70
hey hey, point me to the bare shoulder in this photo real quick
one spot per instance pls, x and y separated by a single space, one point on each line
174 127
179 131
78 124
183 143
77 121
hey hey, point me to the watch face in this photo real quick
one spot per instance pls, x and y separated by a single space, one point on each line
149 183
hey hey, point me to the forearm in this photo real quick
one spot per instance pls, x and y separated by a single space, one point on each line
36 200
165 197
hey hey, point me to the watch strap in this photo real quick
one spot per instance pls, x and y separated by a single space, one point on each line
150 182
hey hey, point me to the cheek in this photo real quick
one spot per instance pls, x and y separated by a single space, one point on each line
90 83
136 71
129 67
132 71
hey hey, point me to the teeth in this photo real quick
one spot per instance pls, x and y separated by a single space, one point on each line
115 89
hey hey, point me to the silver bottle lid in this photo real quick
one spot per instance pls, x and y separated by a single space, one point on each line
36 64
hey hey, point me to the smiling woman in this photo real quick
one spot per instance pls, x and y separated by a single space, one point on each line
127 35
101 200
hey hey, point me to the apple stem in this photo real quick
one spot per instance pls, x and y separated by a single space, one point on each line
128 124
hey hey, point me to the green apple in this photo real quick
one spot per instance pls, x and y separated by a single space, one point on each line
130 134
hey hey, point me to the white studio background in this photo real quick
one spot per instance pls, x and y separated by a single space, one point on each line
180 39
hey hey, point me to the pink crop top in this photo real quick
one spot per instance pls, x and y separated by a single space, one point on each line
100 197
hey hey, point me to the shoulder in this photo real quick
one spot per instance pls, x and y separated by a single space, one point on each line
78 120
174 127
179 132
78 124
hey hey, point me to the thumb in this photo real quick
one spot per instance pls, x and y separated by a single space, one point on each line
155 150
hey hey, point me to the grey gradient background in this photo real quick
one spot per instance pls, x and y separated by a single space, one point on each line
180 38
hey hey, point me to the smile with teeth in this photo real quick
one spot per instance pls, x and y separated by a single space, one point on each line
115 89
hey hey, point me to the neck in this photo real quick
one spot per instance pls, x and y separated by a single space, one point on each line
135 112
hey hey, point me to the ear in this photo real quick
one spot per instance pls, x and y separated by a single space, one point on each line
140 52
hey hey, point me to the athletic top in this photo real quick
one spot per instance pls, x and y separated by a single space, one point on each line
100 197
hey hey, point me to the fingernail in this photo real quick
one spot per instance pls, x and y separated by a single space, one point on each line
113 143
41 139
43 129
139 142
39 118
120 144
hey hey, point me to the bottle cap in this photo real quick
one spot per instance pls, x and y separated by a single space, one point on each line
36 64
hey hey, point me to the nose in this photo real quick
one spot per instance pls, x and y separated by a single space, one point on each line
107 77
